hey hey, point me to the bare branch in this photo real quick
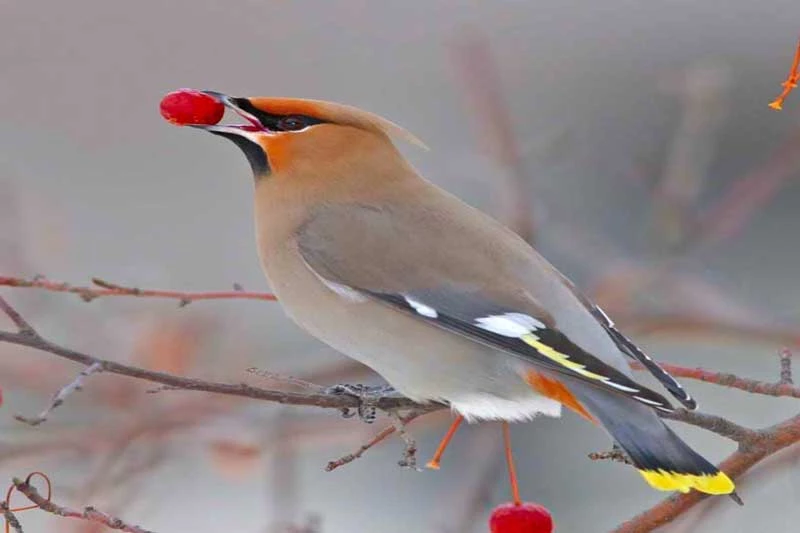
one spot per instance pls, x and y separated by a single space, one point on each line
58 399
731 381
107 288
715 424
688 325
289 380
409 459
380 437
10 517
350 457
23 326
386 403
786 367
89 513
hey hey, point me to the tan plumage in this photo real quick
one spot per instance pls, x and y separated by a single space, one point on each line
438 298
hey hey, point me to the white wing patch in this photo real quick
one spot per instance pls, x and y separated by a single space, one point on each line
421 308
509 324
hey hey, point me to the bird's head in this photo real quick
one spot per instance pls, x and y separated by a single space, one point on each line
283 136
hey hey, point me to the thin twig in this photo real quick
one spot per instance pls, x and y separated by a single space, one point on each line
350 457
731 381
23 327
289 380
409 459
686 325
786 367
107 288
61 396
89 513
380 437
11 518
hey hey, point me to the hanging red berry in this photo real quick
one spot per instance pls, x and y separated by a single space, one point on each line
520 518
187 106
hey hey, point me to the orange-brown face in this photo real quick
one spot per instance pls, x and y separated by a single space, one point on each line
291 136
272 126
284 133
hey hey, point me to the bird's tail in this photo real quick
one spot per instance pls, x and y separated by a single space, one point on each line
662 458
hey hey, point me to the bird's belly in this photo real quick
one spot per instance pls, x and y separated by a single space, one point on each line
420 360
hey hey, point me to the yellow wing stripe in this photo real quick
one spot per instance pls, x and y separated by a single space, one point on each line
718 483
558 357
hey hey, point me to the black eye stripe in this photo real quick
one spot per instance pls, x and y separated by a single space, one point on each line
293 123
272 121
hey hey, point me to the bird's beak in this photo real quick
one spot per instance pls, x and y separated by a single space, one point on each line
248 130
245 136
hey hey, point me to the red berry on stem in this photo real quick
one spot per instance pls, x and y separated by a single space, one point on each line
522 518
187 106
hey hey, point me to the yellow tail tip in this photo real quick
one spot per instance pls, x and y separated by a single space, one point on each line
718 483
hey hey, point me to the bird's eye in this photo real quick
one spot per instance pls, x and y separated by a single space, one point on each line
292 123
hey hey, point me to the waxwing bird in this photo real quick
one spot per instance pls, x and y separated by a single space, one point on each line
438 298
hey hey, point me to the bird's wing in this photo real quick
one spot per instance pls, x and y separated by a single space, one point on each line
628 347
459 276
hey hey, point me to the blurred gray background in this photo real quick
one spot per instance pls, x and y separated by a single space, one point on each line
631 139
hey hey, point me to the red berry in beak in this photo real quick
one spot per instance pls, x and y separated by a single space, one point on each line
522 518
187 106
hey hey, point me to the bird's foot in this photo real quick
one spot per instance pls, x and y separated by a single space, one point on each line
367 396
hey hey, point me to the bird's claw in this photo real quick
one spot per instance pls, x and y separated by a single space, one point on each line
368 397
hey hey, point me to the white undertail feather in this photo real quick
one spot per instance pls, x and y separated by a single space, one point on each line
474 407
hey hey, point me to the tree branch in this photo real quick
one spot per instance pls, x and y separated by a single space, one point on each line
63 394
380 437
106 288
10 518
779 389
89 513
786 368
715 424
32 339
